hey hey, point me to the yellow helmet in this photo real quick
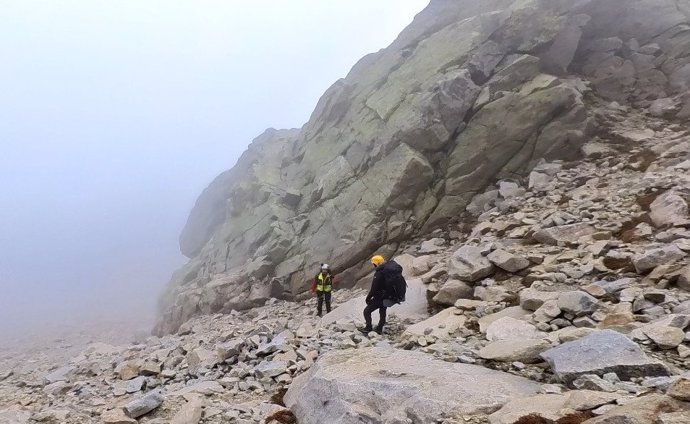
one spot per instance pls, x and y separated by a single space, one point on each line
377 260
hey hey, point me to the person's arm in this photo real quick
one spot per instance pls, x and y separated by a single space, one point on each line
375 286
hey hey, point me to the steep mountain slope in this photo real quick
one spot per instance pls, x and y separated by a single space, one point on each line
566 295
470 93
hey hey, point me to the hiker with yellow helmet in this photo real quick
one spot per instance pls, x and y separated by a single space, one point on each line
322 285
387 289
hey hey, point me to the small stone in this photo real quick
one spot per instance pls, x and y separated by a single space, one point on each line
144 405
650 259
451 291
577 302
127 370
669 209
60 374
548 311
201 358
593 382
508 261
564 234
586 322
271 368
532 299
680 389
683 351
508 328
665 337
116 416
229 349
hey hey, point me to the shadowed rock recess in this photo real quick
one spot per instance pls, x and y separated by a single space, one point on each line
470 93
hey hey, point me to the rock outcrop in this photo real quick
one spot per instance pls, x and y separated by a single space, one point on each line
468 94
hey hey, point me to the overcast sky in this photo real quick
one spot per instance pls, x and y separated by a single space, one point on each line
114 115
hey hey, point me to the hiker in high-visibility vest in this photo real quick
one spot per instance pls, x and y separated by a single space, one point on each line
323 287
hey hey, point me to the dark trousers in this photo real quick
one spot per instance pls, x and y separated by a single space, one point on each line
321 296
371 307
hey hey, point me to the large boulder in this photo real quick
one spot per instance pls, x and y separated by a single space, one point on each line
564 234
451 291
644 410
508 261
384 384
577 302
669 209
522 350
649 259
468 264
599 353
508 328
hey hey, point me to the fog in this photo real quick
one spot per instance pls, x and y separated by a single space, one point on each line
114 115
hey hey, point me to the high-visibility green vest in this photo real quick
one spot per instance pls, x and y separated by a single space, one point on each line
324 283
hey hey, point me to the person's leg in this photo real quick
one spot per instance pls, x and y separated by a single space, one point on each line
367 315
319 304
382 319
327 295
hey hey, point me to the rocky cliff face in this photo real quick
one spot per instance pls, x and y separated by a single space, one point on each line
469 94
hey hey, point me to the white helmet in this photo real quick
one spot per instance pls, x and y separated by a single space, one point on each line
325 267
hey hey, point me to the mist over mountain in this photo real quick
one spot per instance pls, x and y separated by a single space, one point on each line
116 115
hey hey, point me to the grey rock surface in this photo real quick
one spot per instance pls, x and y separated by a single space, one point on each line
599 353
382 384
144 404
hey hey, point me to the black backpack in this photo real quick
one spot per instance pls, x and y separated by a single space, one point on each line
396 286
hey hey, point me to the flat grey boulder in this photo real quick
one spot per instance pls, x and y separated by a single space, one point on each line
60 374
451 291
279 342
533 299
599 353
508 261
271 368
440 326
508 328
669 209
468 264
14 416
650 259
384 384
564 234
577 303
523 350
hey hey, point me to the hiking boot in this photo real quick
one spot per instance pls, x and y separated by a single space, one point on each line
366 330
379 330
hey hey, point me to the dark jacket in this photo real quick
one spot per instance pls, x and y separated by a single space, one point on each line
384 274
